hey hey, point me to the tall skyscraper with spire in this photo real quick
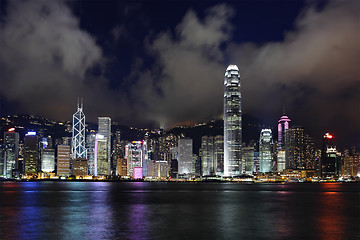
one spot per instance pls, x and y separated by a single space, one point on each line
283 125
232 122
78 149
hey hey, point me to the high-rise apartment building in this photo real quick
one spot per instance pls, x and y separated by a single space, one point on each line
299 149
78 149
265 150
232 122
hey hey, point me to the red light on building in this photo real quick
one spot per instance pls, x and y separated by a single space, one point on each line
328 135
11 130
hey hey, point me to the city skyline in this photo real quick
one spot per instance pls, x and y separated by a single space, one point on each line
165 155
293 54
162 119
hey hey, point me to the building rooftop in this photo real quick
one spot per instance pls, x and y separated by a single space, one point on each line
232 67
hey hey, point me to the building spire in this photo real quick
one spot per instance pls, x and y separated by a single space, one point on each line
78 132
284 110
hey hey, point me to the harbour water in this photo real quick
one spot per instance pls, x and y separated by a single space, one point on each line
144 210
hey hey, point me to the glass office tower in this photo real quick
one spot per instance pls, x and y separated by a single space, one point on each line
78 149
232 122
11 152
265 150
104 125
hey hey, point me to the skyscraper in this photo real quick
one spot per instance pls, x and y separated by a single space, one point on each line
232 122
299 149
219 154
2 158
80 167
104 129
265 150
207 155
283 125
281 160
47 160
101 163
31 159
90 152
185 156
11 150
63 160
351 166
78 149
248 156
330 162
135 155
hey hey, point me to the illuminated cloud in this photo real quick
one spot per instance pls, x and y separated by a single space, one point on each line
47 61
314 72
186 83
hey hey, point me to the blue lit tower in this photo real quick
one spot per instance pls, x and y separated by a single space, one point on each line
232 122
78 133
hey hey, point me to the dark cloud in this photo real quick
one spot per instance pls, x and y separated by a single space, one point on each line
47 61
186 85
314 72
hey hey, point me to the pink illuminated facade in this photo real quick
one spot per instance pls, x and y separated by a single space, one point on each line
138 173
283 125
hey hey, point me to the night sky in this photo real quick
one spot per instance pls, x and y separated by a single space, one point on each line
162 63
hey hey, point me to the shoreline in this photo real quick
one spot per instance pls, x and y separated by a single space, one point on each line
177 181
